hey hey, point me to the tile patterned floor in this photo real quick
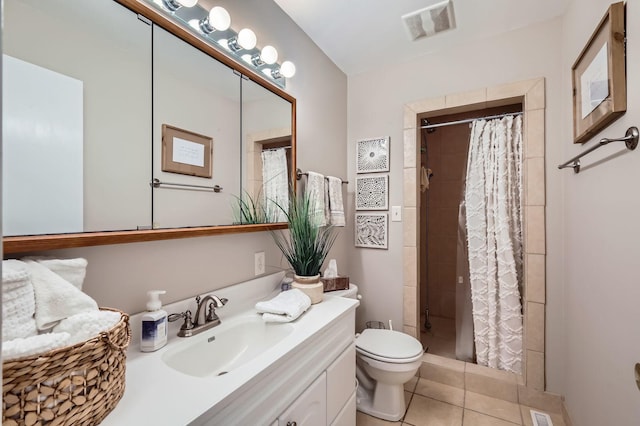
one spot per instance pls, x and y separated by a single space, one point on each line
434 404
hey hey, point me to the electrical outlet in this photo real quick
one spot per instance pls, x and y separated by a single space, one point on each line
258 263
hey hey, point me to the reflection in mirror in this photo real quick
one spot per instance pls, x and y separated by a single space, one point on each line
104 50
196 94
77 117
267 140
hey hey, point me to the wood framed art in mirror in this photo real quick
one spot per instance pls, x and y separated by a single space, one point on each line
186 152
599 77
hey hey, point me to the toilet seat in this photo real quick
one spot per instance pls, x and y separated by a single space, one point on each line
389 346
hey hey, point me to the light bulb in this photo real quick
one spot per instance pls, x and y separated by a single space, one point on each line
269 55
173 5
247 39
287 69
219 18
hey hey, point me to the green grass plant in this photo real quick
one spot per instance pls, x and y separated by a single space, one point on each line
305 245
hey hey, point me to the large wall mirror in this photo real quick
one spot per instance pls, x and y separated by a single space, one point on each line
84 119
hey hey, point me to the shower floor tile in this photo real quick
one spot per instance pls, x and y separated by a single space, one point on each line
441 338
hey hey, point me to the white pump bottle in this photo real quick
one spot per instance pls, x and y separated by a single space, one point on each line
154 324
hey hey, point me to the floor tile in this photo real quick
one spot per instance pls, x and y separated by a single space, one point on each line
439 345
493 407
407 400
411 384
440 339
363 419
429 412
441 392
527 421
472 418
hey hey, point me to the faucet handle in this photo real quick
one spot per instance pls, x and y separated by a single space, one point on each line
188 323
211 314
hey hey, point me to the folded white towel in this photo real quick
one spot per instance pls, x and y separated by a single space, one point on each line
56 299
285 307
33 345
72 270
18 303
336 206
316 192
86 325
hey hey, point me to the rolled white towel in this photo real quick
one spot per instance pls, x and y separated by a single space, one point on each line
56 299
72 270
18 303
285 307
21 347
86 325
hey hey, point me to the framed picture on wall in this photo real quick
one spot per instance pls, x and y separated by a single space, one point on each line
371 230
186 152
599 77
372 155
372 192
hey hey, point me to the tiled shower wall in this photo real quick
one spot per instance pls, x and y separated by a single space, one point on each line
445 153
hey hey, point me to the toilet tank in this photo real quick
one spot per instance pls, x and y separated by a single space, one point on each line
351 292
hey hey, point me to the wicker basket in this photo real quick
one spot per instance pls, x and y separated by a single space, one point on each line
74 385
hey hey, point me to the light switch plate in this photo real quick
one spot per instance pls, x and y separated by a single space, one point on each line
396 214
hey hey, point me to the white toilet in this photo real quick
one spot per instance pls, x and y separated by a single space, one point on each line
385 361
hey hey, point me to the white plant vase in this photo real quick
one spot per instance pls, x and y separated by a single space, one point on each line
311 286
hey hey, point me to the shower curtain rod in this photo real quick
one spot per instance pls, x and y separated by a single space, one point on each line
468 120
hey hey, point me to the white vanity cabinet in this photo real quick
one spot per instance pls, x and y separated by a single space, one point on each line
330 400
316 377
306 377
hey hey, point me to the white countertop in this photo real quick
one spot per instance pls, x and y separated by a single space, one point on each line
156 394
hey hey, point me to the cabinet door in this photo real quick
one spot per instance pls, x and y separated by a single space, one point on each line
347 417
310 409
341 381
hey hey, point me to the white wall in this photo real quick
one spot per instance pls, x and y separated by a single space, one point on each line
120 275
376 102
602 288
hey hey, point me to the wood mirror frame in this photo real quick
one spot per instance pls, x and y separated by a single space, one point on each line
31 243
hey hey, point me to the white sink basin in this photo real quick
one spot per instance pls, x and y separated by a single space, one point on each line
225 347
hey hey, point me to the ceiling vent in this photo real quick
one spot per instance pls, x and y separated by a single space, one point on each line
430 20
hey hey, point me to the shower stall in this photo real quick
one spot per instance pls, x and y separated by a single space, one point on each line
445 292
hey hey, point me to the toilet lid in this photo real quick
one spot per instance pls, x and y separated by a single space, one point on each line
388 344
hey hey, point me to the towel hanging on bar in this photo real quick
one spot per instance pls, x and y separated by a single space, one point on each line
300 173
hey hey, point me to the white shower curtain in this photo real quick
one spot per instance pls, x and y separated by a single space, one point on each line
494 236
275 184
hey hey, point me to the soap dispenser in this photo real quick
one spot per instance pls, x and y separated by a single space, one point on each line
154 324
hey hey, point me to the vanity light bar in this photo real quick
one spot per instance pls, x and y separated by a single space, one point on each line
214 27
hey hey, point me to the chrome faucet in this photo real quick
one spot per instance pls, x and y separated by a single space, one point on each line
191 327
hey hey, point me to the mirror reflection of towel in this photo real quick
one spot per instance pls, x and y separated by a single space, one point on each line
275 183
